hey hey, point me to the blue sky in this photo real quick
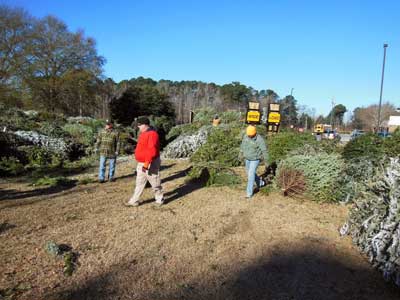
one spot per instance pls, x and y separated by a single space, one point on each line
324 50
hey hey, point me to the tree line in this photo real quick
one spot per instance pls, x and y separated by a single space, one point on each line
44 66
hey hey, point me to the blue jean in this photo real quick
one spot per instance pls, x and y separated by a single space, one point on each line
102 167
251 169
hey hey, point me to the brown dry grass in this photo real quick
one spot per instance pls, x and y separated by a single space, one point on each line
206 243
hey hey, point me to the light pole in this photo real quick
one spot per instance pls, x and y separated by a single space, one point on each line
380 96
291 98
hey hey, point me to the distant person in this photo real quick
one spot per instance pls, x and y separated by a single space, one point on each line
253 149
147 155
107 146
216 121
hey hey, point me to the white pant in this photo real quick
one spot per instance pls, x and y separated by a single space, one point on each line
153 176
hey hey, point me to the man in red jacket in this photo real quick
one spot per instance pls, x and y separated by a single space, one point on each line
147 155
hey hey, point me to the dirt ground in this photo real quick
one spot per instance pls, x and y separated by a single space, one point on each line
205 243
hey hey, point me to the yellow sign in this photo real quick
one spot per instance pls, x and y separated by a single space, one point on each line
274 117
253 116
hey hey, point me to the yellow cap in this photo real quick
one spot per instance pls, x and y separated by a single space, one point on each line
251 130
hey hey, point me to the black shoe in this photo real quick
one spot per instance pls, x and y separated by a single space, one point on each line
111 179
101 181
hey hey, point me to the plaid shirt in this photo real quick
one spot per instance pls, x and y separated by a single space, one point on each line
108 143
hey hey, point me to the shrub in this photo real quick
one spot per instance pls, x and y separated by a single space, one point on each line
82 134
279 145
391 145
374 222
204 116
368 146
52 181
322 173
52 129
291 181
10 166
330 146
37 156
217 155
184 129
15 119
229 117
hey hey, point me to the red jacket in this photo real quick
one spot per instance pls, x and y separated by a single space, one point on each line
148 146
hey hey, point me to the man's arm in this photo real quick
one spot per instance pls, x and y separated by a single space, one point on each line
263 147
151 149
118 144
98 142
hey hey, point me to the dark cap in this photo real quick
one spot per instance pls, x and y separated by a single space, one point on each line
143 121
109 123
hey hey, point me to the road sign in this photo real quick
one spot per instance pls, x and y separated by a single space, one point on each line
253 116
274 117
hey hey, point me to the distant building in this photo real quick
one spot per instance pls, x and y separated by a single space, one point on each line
394 122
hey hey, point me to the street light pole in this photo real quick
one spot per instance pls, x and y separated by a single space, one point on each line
291 97
380 96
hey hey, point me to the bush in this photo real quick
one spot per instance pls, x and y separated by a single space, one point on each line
279 145
10 166
204 116
330 146
229 117
184 129
391 145
82 134
52 181
217 155
291 181
37 157
15 119
374 222
368 146
322 173
52 129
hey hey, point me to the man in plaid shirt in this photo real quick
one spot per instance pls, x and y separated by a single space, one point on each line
107 146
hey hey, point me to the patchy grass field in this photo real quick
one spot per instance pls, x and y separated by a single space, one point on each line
206 243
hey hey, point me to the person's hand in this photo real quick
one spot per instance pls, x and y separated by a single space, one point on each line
241 156
145 167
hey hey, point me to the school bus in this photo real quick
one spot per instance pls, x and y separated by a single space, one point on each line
322 128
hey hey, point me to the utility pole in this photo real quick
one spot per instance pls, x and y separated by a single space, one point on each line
380 96
333 105
290 117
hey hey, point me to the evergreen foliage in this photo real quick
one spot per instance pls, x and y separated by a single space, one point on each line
374 221
291 181
279 145
368 146
217 156
321 171
10 166
183 129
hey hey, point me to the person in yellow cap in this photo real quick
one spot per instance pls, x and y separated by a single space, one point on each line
253 149
216 121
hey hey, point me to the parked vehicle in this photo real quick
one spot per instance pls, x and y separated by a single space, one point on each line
356 133
322 128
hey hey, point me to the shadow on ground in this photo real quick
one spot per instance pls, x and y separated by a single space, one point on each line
11 194
306 274
177 175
